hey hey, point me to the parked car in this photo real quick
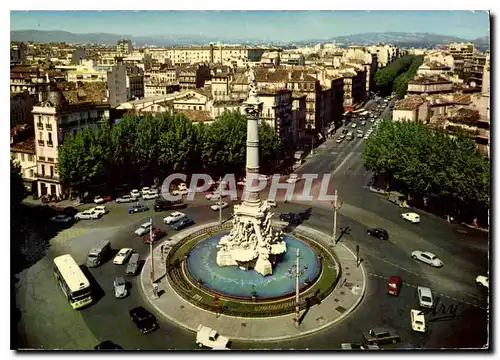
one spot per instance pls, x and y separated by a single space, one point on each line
143 319
354 125
379 233
120 287
394 285
339 140
483 281
122 256
99 200
215 196
156 234
145 190
174 217
425 298
427 257
184 223
359 346
210 338
411 217
218 206
161 204
360 135
379 336
133 265
138 208
88 215
101 209
417 320
62 219
135 193
126 199
143 229
150 195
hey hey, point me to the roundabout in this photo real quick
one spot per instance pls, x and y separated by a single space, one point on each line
331 286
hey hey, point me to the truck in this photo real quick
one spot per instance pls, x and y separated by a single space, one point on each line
162 205
210 338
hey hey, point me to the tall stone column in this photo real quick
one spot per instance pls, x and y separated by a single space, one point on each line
253 108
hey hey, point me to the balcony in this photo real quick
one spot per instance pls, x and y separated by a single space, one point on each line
50 144
48 127
48 176
39 126
41 143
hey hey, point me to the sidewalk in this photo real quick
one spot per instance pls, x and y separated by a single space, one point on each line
344 298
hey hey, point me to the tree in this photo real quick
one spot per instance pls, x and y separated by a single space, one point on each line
17 190
270 145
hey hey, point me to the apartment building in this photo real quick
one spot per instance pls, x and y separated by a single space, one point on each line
219 106
125 82
213 53
412 108
360 57
221 86
193 77
277 112
21 105
86 73
164 74
30 79
354 87
433 68
299 105
465 50
23 152
56 116
198 99
474 69
124 47
154 89
429 85
18 52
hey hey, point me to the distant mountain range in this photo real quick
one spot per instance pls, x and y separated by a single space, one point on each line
397 38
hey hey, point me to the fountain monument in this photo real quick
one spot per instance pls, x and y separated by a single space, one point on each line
252 243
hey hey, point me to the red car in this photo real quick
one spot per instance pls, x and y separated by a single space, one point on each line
156 233
394 285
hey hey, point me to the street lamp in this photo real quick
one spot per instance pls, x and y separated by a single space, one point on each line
335 209
296 271
151 251
220 200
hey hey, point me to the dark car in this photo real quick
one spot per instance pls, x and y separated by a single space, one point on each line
161 205
156 233
143 319
137 208
345 131
70 211
379 233
181 224
291 218
394 285
107 345
378 336
306 214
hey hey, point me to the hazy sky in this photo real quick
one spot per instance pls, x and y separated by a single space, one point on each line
265 25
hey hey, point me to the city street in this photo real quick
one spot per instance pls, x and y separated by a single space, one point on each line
460 322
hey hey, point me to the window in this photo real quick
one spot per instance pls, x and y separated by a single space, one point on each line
32 173
41 158
22 157
30 157
43 170
50 159
13 156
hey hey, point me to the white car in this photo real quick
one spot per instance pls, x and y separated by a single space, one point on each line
150 195
101 209
174 217
122 256
366 137
143 229
411 217
98 200
417 320
88 215
210 338
354 125
182 186
483 281
293 179
339 140
218 206
125 199
135 193
180 192
145 190
427 257
215 196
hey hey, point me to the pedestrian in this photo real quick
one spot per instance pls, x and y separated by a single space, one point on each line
155 290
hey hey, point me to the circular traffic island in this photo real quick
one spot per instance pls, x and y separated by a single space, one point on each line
193 273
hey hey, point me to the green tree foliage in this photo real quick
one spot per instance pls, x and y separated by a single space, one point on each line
425 163
137 149
385 78
17 189
401 82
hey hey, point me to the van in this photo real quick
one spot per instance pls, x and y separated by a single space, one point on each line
97 255
417 320
133 265
425 297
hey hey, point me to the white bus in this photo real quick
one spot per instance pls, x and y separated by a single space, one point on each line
73 282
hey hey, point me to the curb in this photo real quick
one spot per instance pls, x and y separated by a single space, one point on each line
144 275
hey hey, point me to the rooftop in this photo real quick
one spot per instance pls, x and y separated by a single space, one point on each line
464 116
228 102
429 80
196 115
27 146
409 103
95 92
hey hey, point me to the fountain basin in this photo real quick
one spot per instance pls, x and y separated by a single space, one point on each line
233 281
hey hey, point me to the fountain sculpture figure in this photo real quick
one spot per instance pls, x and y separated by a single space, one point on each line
252 243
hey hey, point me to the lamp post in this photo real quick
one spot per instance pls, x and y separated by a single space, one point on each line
220 200
296 271
335 209
312 145
151 251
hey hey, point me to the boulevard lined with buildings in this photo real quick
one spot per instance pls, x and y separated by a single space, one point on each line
57 89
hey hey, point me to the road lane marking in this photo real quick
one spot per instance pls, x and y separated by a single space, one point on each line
440 294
